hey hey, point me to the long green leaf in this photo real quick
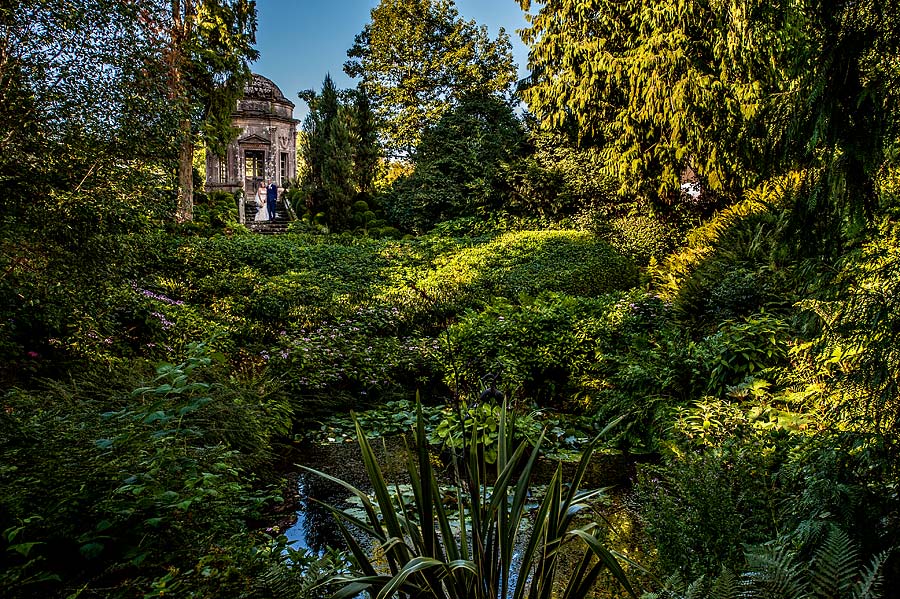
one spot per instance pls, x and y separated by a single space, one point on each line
366 502
413 566
536 538
361 558
606 557
583 577
426 499
383 498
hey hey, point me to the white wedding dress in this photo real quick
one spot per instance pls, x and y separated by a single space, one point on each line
262 215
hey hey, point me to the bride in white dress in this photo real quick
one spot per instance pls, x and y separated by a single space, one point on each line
261 213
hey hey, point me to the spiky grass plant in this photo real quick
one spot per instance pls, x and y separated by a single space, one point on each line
425 557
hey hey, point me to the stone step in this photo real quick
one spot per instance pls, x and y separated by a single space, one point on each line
268 227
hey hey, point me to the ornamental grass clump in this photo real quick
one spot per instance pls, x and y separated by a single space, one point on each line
500 548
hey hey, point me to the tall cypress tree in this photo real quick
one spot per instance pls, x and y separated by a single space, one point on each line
366 151
326 150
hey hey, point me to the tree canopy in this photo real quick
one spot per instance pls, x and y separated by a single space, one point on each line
87 86
211 45
416 58
734 89
459 164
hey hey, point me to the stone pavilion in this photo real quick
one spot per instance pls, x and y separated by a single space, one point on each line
266 147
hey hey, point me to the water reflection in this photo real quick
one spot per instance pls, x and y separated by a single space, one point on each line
316 528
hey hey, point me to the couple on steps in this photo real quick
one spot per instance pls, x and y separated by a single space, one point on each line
271 198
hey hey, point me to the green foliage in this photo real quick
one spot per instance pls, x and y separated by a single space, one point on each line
442 58
525 264
326 151
741 261
701 507
658 92
652 87
833 571
746 348
479 424
302 574
354 357
364 139
641 238
218 212
113 488
557 178
58 135
424 555
775 570
534 348
618 355
458 165
217 52
858 319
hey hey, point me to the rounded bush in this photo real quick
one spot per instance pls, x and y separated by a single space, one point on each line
531 262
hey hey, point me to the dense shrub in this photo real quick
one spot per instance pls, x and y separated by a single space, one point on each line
218 212
558 179
639 237
741 474
118 489
618 355
700 508
747 347
458 165
533 348
518 264
355 360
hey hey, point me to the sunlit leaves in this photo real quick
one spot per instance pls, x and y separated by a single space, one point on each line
659 85
416 58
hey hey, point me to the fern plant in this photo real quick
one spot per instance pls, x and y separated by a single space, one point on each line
425 557
775 571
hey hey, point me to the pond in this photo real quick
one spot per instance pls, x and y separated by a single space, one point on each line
315 528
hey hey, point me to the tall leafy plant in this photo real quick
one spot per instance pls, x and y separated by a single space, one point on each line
426 558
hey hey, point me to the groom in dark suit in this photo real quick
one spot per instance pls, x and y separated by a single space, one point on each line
271 199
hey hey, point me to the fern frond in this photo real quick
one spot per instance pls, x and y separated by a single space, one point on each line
869 587
834 565
725 586
774 574
696 590
673 588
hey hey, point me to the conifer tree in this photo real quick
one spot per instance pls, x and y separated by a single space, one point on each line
739 90
326 150
366 152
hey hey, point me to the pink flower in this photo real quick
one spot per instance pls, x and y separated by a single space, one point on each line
33 354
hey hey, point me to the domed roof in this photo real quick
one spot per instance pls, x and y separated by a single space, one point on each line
262 88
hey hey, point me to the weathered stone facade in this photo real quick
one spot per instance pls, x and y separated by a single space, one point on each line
266 148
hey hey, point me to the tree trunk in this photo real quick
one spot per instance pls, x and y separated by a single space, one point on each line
185 210
181 33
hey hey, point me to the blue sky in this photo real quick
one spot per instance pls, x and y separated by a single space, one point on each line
301 40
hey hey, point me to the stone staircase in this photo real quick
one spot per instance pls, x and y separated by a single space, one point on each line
270 227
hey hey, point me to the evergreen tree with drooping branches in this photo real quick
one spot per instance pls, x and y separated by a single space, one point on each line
741 91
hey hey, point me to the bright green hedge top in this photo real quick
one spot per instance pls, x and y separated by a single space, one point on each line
528 263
